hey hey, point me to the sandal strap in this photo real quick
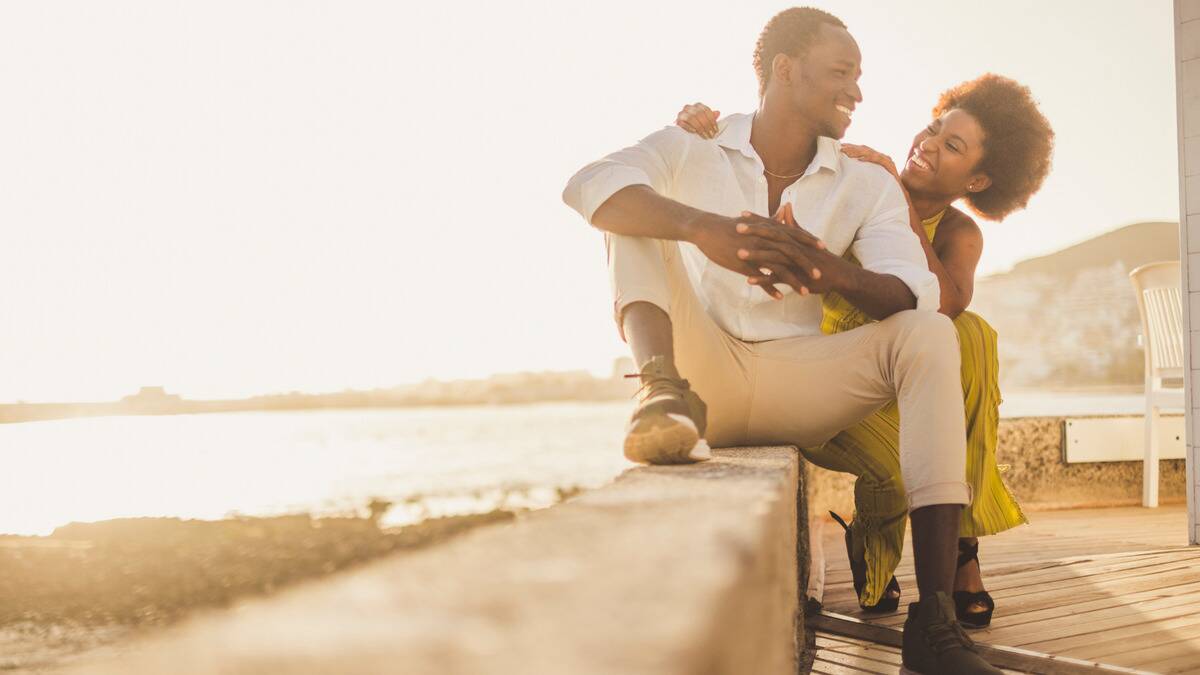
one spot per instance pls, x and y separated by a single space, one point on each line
968 553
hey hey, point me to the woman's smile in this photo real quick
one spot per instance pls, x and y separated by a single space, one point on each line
918 162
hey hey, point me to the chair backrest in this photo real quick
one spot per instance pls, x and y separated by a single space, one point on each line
1160 304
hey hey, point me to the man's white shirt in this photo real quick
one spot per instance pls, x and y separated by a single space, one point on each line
847 203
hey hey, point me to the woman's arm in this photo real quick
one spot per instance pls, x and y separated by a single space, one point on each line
959 239
954 259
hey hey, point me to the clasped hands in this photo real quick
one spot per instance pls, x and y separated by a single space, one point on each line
771 252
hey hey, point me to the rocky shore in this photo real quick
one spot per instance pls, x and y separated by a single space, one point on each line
91 584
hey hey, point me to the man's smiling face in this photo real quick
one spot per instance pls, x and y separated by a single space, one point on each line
824 82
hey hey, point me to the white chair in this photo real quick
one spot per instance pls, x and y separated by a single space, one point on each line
1157 286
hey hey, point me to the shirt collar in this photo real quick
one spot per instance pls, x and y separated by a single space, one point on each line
735 135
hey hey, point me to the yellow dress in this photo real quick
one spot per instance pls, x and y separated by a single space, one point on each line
870 450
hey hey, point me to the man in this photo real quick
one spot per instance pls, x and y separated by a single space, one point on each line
686 251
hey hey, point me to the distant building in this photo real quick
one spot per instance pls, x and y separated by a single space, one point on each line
151 397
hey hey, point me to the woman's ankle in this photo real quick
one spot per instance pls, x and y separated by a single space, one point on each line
969 576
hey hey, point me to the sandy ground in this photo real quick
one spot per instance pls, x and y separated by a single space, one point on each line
88 585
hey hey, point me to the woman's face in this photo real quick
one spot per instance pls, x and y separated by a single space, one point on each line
944 155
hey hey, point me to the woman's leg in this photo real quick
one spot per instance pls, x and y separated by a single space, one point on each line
994 508
871 451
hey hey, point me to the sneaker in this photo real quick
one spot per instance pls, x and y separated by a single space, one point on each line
668 425
934 643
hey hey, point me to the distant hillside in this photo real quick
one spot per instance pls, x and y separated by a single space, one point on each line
1070 318
1132 246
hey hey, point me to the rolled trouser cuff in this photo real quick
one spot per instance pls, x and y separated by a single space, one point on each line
627 296
935 494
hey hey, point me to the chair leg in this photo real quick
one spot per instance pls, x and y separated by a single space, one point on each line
1150 463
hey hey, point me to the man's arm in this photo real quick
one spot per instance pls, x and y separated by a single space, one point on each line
639 211
877 295
652 164
779 248
624 194
886 245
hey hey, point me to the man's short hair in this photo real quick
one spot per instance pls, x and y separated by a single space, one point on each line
793 32
1017 141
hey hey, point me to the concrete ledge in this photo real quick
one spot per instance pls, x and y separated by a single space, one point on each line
689 569
1031 447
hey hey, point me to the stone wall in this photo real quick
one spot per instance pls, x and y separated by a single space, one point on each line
668 570
1036 474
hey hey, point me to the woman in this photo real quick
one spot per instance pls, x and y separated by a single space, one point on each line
990 146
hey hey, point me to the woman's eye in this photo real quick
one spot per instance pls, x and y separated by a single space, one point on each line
954 148
929 130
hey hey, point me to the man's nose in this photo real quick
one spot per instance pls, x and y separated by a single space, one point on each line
855 92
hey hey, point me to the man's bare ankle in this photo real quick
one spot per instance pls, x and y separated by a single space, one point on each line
663 362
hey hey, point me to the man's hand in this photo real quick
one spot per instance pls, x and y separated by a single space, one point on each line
718 238
791 254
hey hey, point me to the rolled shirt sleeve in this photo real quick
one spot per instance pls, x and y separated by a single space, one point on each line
886 244
653 161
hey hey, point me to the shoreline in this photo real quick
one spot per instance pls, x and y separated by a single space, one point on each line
88 586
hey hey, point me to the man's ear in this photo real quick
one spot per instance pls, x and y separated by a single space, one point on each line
783 68
979 182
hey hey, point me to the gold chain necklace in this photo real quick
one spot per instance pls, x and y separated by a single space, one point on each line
775 175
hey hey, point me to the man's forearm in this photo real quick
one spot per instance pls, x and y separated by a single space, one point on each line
639 211
877 295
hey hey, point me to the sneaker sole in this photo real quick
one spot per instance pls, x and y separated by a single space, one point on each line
665 439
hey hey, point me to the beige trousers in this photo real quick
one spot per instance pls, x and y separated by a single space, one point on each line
802 391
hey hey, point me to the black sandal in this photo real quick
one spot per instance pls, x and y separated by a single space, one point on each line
858 568
964 599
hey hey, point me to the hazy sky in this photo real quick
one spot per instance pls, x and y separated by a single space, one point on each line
229 198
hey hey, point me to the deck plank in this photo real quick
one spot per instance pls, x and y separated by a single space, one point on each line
1161 646
1017 616
1117 585
839 655
1069 645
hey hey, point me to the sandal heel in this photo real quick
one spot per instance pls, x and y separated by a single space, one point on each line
964 599
973 620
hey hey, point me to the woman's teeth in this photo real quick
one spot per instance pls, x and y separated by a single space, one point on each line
920 163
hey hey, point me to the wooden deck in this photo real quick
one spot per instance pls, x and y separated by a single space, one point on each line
839 655
1118 586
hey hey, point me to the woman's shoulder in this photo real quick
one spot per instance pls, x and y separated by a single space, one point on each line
956 219
960 224
958 228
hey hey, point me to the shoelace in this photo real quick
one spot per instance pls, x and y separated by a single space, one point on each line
652 379
945 636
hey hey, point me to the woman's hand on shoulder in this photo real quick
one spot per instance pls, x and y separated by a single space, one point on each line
866 154
871 155
698 119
